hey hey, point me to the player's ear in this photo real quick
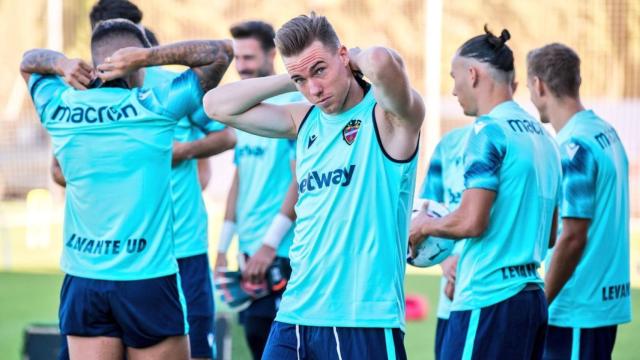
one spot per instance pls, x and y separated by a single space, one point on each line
472 72
539 87
343 53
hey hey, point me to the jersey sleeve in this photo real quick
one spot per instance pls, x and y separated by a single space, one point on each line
433 185
43 89
579 173
484 156
181 96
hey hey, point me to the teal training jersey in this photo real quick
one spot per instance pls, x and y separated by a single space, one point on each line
114 148
264 174
189 213
350 247
511 154
445 183
595 186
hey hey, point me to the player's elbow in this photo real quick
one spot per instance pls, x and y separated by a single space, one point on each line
379 60
214 107
24 64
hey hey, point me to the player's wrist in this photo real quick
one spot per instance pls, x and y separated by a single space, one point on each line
61 64
141 58
278 229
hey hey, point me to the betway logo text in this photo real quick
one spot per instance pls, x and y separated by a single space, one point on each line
318 180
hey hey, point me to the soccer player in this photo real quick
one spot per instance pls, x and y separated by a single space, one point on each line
506 214
587 280
260 204
121 288
355 165
444 183
123 9
194 137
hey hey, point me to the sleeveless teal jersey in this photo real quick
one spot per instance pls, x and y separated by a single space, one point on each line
511 154
114 148
189 213
350 246
595 186
265 175
445 183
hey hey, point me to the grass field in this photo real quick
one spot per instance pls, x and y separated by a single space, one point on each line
33 298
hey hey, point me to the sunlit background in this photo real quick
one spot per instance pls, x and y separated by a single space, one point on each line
606 34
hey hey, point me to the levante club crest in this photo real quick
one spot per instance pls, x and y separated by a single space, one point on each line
350 131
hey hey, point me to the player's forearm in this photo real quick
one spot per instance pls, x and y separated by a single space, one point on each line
386 71
213 144
457 225
193 53
230 210
227 101
42 61
566 256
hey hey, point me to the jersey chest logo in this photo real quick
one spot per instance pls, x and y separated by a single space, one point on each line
350 131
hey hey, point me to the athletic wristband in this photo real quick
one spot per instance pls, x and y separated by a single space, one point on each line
226 235
279 227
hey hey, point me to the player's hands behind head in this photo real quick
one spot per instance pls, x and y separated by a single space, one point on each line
121 63
77 73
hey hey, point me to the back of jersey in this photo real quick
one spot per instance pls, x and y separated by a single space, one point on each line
511 154
595 187
114 148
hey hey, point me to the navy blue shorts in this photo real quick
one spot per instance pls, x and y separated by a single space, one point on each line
195 274
580 343
293 342
142 313
511 329
441 328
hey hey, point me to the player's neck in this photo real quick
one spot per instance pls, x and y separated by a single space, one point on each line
493 97
562 110
354 96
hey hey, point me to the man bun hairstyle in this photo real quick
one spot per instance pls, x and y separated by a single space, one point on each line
558 66
492 50
114 9
300 32
258 30
118 27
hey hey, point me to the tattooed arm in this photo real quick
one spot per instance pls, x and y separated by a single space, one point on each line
209 59
75 72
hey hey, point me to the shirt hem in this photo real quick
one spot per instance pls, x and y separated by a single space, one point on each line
340 323
120 278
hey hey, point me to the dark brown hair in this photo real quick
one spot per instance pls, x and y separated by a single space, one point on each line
558 66
258 30
300 32
493 50
114 9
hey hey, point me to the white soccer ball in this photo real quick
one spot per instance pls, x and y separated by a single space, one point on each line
433 250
